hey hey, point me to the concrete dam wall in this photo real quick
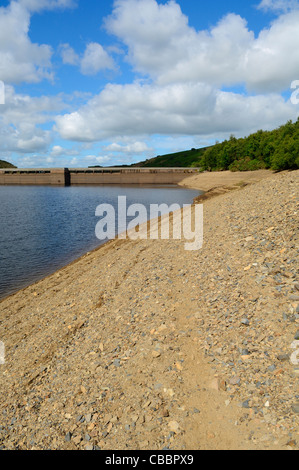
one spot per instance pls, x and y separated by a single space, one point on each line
94 176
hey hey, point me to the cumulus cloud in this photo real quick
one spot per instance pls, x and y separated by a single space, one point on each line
162 45
135 148
21 122
20 59
177 109
93 159
68 55
94 59
58 151
278 5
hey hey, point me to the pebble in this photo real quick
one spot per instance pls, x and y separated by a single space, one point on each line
234 381
283 357
174 427
295 408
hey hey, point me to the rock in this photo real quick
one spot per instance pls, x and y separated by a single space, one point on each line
174 427
245 352
144 444
235 381
245 404
292 444
68 437
156 354
77 440
283 357
295 408
223 385
294 298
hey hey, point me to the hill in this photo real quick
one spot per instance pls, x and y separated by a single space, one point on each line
4 164
183 159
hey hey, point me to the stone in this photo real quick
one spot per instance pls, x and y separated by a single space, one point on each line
156 354
283 357
174 427
295 408
235 381
294 298
245 404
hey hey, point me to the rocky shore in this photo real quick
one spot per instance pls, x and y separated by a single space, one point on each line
144 345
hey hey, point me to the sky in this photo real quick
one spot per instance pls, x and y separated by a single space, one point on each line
103 82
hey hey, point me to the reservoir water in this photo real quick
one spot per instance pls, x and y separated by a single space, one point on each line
43 228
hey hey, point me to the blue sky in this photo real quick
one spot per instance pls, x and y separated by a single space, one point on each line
113 82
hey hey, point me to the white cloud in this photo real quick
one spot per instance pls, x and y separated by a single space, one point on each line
68 55
21 121
136 108
20 59
180 109
95 58
278 5
58 151
135 148
39 5
162 45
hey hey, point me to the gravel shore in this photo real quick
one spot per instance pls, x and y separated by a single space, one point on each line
141 344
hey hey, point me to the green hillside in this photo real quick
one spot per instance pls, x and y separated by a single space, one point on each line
183 159
4 164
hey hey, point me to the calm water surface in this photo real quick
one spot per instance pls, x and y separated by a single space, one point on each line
44 228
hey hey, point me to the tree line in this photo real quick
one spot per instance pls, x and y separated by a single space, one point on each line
275 150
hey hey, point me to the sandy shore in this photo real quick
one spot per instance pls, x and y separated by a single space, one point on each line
221 179
144 345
